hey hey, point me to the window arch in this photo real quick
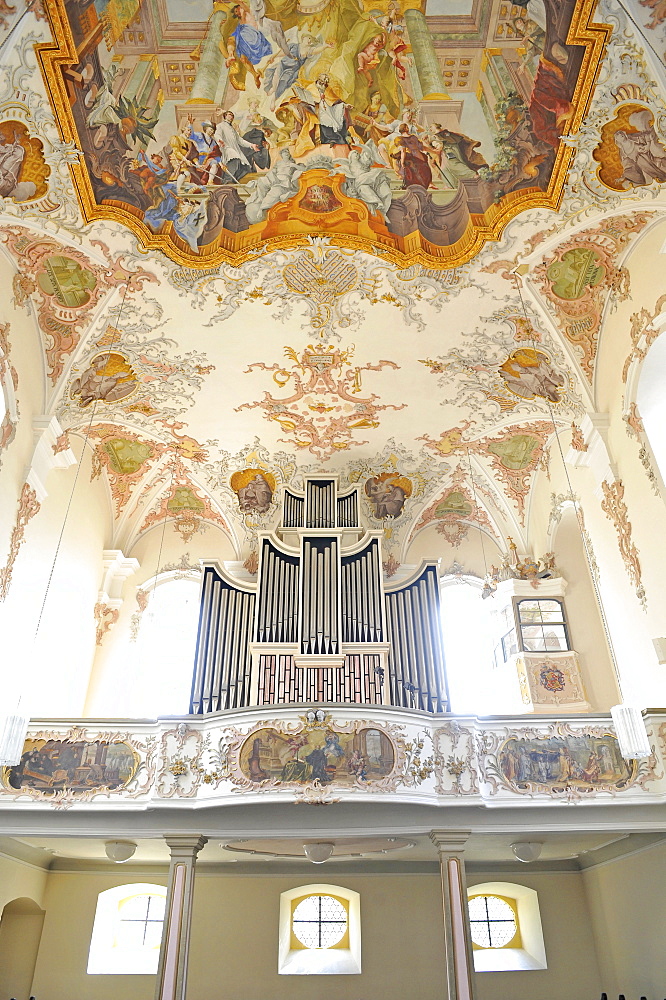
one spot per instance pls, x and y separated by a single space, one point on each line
8 404
466 626
165 647
505 924
127 930
320 931
651 405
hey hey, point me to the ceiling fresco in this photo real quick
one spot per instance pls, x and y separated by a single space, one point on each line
203 371
212 130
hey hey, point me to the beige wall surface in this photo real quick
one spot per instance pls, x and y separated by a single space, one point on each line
627 900
20 935
19 880
235 940
234 948
22 889
60 973
572 972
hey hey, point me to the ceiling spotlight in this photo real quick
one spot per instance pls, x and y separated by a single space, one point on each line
527 850
119 850
319 852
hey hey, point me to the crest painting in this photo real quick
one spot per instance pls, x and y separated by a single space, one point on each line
212 128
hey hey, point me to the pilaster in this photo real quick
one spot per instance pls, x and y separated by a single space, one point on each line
174 950
450 846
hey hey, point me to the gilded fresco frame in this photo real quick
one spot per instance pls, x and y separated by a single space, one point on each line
236 248
386 783
65 796
556 788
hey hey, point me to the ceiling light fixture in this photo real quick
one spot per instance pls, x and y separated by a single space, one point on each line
527 850
319 852
119 850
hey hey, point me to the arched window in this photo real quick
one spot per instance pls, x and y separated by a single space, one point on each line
467 645
164 651
127 930
505 925
320 931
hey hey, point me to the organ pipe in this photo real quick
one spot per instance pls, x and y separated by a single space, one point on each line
361 596
416 659
302 598
221 656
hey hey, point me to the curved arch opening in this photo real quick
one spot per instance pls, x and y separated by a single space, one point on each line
164 650
20 935
468 651
651 401
320 931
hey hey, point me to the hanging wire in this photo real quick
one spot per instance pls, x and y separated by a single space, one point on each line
5 41
579 514
476 504
115 343
164 524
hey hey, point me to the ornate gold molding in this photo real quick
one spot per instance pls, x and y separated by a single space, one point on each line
290 226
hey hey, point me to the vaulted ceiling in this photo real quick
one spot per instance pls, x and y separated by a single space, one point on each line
300 342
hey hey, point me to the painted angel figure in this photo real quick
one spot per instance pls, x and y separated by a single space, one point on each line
278 184
272 29
365 181
281 75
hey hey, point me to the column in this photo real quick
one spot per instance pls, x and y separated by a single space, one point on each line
425 57
212 71
174 950
457 938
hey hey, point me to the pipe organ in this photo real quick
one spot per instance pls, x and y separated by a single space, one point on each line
319 624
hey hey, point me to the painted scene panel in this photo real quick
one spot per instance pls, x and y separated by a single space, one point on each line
416 124
56 765
318 755
573 760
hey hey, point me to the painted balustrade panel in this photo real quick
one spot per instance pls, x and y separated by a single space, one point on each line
320 755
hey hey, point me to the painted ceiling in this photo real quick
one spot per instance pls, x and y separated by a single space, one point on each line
206 359
266 120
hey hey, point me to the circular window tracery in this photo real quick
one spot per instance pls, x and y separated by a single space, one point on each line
319 921
492 921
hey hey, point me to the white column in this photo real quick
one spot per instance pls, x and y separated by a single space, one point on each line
174 950
457 938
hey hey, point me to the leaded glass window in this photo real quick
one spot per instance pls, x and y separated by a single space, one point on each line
492 921
141 919
319 921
